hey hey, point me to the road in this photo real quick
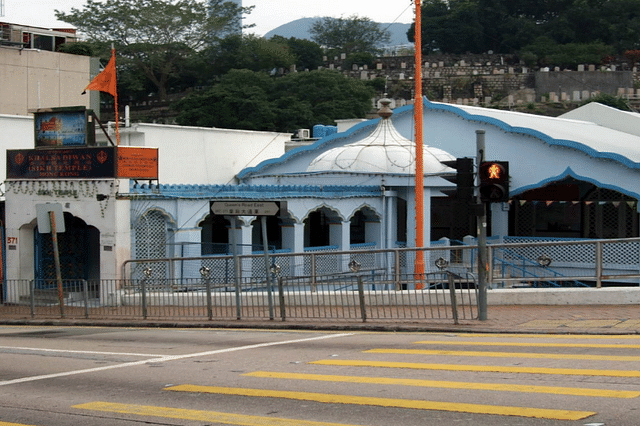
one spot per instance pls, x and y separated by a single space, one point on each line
51 376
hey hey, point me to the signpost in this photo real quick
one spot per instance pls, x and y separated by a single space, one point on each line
263 209
46 215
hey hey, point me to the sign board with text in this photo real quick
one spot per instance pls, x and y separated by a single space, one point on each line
247 207
83 163
61 163
137 162
63 127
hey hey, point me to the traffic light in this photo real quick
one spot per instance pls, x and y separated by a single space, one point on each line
464 180
494 181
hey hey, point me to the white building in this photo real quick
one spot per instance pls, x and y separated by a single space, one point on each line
569 178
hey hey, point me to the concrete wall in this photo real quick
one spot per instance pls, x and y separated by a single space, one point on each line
593 81
31 79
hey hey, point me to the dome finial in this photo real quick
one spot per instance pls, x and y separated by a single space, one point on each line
385 112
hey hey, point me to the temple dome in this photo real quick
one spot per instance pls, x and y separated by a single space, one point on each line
383 151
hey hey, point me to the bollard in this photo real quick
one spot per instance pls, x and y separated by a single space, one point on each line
363 308
85 293
452 292
283 310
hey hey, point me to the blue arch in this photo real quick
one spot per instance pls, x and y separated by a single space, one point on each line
570 173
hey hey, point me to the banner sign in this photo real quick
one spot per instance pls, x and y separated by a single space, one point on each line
63 127
61 163
137 163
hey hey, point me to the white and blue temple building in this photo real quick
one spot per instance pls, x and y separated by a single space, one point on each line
575 176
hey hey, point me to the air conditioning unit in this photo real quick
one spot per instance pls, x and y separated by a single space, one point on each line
304 134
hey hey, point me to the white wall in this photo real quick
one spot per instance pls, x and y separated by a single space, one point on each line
201 155
16 132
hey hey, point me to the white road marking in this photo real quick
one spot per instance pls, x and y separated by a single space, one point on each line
68 351
166 358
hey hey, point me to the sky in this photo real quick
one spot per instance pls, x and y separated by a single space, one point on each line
267 14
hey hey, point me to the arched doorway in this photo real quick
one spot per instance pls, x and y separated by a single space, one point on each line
574 209
79 251
214 237
317 228
365 227
274 233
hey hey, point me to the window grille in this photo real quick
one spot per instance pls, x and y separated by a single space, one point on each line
151 234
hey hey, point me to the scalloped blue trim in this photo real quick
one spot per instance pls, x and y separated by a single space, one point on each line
255 192
464 115
534 133
570 173
315 146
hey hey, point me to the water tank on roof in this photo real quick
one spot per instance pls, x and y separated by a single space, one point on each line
319 131
330 130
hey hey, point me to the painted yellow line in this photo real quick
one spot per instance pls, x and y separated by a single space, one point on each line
480 368
198 415
538 413
12 424
500 387
533 345
547 336
504 354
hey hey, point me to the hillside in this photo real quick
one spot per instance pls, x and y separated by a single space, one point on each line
300 29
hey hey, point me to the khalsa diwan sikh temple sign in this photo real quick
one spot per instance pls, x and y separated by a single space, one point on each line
64 148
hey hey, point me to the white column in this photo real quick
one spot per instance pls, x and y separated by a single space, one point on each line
293 239
187 244
245 239
500 219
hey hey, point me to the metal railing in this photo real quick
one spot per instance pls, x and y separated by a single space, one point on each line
342 297
321 286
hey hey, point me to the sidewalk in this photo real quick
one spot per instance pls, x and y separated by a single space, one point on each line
534 319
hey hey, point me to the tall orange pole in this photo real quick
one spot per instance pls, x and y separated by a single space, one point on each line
115 98
419 179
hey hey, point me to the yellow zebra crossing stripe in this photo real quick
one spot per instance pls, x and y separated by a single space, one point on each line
551 336
479 368
539 413
197 415
500 387
12 424
532 345
505 354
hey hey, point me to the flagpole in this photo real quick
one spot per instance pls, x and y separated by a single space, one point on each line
419 178
115 97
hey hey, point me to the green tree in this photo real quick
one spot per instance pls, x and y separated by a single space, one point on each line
548 52
449 27
249 52
360 59
239 101
245 99
506 26
308 54
330 94
78 48
155 35
352 34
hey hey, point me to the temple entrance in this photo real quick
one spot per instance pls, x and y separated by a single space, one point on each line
79 253
574 209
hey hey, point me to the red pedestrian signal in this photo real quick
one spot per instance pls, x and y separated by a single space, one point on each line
494 181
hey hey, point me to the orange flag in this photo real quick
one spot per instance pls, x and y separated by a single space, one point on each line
106 80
